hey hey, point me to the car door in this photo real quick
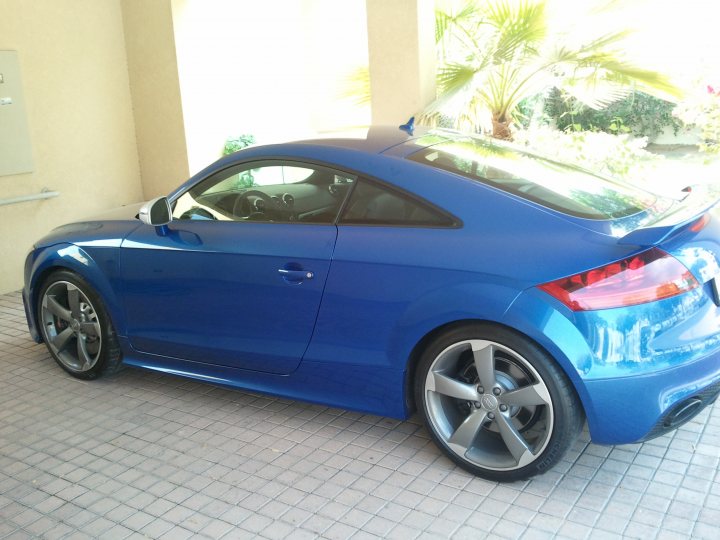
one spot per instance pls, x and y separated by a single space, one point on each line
392 266
237 277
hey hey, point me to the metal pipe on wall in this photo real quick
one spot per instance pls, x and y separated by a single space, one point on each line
44 194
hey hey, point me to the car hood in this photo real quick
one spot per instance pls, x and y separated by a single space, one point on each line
121 213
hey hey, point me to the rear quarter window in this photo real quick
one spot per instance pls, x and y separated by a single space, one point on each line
373 204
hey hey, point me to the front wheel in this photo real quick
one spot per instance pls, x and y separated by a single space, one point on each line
496 403
76 328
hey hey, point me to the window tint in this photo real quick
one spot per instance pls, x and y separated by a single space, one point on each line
266 191
373 204
556 185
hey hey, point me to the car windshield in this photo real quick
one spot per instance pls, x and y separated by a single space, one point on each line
560 186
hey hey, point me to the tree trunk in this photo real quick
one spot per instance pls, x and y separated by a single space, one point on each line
501 127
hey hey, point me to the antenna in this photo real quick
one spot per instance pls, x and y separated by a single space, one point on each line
409 127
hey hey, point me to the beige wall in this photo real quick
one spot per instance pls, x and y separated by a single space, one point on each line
155 88
75 79
401 41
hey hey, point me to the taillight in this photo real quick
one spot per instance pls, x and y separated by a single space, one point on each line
646 277
700 224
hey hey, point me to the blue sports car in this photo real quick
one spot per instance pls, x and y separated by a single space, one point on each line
504 295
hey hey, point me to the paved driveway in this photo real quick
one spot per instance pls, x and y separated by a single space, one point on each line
148 455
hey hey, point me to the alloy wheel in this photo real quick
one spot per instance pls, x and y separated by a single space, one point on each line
488 405
71 327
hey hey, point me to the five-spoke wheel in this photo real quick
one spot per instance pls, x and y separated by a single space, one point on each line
496 403
75 327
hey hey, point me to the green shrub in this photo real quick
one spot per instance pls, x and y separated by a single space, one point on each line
702 110
638 114
233 144
619 156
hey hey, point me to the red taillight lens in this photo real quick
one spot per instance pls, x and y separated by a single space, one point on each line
700 224
646 277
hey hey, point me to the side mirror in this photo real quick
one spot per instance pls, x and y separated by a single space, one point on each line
156 212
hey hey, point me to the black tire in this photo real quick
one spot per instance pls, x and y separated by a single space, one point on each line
519 427
76 328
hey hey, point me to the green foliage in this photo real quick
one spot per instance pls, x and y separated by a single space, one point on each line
639 114
711 132
532 111
618 156
703 111
245 180
233 144
357 86
496 53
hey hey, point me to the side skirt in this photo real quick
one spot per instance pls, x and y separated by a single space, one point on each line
366 389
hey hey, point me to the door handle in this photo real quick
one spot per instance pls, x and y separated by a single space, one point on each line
295 276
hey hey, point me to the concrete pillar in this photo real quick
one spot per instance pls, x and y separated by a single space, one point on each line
155 91
401 46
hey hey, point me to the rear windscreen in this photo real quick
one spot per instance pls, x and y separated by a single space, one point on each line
552 184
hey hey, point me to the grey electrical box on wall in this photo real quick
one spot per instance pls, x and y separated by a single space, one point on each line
15 148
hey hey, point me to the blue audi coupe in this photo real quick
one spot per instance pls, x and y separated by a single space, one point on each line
505 296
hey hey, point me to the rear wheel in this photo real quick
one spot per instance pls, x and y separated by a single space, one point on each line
496 403
75 326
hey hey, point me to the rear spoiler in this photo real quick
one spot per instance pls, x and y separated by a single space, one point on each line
682 214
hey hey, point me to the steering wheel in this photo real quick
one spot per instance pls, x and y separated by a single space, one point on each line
263 212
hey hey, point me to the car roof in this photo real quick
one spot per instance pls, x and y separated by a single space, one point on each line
373 140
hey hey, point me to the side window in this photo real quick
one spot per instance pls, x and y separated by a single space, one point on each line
262 176
267 191
373 204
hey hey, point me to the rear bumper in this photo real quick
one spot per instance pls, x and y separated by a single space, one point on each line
639 371
642 407
684 411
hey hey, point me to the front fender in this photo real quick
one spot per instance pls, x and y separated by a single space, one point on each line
98 266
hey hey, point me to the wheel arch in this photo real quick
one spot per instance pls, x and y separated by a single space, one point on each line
416 353
513 452
420 347
73 258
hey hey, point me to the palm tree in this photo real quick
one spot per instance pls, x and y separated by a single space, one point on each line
495 53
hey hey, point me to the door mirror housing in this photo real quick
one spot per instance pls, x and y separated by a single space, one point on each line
156 212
